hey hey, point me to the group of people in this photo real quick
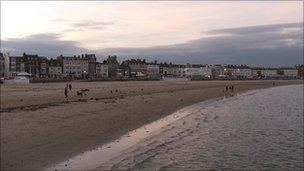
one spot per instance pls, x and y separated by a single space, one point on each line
67 88
231 88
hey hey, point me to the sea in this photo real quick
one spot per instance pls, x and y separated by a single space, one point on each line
255 130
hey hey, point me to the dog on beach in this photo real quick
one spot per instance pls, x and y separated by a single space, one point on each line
82 92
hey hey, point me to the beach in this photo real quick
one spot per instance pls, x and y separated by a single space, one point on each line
39 127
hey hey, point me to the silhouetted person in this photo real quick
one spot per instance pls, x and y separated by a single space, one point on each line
226 88
66 92
70 87
232 88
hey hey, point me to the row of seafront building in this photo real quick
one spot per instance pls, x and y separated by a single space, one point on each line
86 66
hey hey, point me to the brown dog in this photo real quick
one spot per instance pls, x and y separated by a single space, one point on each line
82 92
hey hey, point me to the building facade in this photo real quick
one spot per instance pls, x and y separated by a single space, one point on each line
168 71
218 71
112 64
269 73
33 64
198 71
290 73
135 68
152 70
241 73
76 67
54 68
102 70
13 65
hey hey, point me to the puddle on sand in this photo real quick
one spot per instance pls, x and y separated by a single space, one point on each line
94 158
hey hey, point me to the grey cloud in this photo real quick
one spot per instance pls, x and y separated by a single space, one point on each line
42 37
255 46
260 46
72 30
92 24
256 29
48 44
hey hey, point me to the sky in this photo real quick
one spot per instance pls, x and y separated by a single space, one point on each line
250 32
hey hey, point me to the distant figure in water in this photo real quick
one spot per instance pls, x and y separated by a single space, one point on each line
70 87
66 92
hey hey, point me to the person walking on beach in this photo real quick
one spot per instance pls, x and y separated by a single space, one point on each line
232 88
66 92
226 88
70 86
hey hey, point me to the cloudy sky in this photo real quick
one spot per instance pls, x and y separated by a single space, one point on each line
249 32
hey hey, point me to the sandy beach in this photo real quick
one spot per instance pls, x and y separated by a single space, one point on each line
39 127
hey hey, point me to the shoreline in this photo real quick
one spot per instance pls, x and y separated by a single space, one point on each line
35 139
104 156
94 158
199 118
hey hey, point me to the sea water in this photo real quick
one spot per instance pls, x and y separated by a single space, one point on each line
259 129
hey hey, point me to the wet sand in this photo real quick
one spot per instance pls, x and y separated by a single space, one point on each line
40 128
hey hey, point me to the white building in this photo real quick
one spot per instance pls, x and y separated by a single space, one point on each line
219 71
264 73
75 67
241 72
152 70
269 73
168 71
255 73
181 72
20 78
290 72
199 71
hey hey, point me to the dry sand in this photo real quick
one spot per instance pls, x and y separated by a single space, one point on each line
39 127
